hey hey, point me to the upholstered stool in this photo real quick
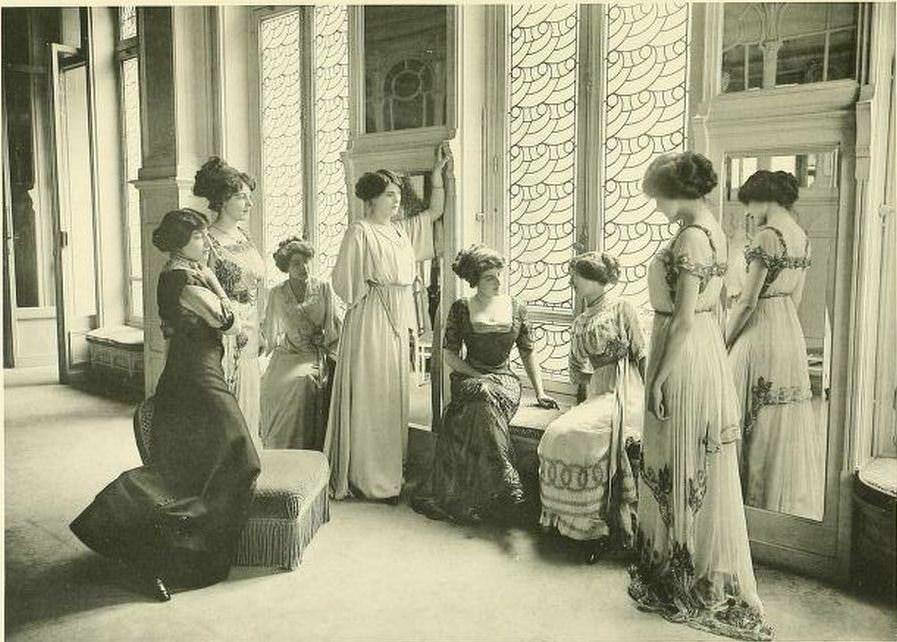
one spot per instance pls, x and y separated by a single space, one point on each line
290 504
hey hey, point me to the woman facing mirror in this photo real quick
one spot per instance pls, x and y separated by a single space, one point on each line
782 465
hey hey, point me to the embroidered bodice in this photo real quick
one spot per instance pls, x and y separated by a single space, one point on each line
692 250
486 351
784 267
305 326
601 335
237 264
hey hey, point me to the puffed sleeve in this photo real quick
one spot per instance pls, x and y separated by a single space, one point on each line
206 305
420 230
348 276
581 369
633 330
453 335
764 248
524 341
333 321
692 252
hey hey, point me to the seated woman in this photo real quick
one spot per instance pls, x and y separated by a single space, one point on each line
178 520
585 478
302 326
473 475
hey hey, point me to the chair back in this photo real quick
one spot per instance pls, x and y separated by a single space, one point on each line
143 429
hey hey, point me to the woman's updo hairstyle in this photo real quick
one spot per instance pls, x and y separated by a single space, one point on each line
372 184
682 175
764 186
470 264
216 181
596 266
287 248
177 227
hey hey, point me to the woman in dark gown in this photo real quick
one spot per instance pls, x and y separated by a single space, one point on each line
177 520
473 475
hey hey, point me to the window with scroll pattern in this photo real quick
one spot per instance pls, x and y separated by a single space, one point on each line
285 136
645 76
332 130
541 126
281 131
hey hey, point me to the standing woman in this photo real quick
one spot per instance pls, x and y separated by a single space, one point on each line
367 432
694 561
177 520
783 451
241 271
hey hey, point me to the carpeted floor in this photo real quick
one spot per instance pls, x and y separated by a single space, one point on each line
375 572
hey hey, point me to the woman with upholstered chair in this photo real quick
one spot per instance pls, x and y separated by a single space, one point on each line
473 475
177 520
367 431
783 451
302 325
694 561
586 482
241 271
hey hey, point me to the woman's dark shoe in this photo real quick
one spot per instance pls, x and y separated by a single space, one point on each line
594 550
159 590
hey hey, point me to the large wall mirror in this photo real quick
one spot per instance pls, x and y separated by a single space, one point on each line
779 383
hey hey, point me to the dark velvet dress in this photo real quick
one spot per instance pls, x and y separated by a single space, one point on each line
473 475
179 518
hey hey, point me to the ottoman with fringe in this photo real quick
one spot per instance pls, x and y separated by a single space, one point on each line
288 507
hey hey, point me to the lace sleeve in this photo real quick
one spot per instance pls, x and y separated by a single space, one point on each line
452 336
765 248
524 340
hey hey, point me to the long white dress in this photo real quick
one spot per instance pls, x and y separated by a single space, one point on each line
694 561
585 480
783 451
367 433
241 270
301 336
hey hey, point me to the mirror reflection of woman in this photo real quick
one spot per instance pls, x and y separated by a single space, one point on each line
586 481
783 449
694 561
241 270
473 476
367 431
302 326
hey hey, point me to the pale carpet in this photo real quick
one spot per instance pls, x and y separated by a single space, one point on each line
375 572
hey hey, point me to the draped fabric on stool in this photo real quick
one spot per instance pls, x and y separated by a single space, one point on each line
290 503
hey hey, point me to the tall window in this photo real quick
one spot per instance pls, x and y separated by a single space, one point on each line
642 112
129 83
304 88
541 126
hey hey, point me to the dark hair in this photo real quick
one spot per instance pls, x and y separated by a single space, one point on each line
287 248
764 186
177 227
596 266
470 264
685 175
217 181
372 184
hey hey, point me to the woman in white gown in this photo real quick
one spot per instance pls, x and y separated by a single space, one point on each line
367 432
694 561
302 326
241 270
586 482
783 448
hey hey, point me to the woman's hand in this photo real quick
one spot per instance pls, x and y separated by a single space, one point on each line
547 402
656 402
443 157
